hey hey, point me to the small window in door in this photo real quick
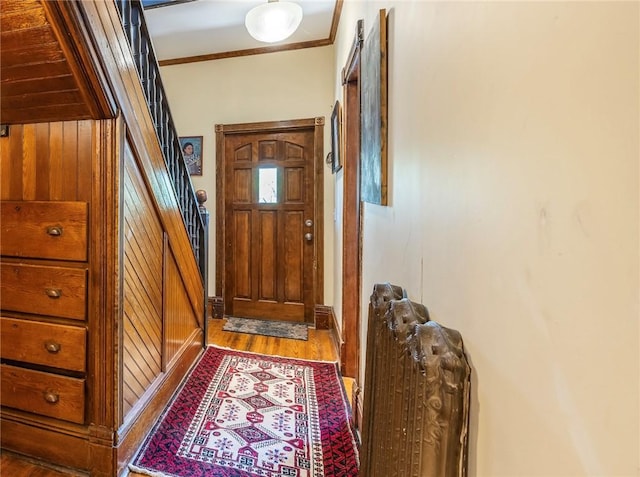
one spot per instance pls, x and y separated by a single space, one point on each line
268 185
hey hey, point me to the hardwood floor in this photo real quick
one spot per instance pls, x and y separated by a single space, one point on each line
318 347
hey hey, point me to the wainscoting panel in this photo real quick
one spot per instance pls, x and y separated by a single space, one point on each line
143 252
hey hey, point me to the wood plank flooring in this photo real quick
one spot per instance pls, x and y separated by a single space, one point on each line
318 347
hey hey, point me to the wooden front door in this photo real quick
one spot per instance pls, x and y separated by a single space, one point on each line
270 224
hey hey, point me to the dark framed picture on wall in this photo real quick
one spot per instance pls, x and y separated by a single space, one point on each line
192 151
335 156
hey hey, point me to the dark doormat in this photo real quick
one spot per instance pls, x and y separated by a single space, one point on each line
279 329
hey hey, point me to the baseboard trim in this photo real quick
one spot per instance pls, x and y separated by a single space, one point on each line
336 335
357 411
215 307
323 317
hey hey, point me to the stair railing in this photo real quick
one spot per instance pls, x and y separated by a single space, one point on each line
135 27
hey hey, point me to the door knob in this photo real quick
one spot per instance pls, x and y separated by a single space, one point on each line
308 237
308 222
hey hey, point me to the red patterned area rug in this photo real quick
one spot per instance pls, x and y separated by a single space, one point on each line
241 414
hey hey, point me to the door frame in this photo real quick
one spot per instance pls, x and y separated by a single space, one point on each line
224 130
351 213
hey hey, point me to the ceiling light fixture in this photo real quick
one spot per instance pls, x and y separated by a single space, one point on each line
273 21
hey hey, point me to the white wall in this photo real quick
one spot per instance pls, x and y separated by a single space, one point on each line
514 216
277 86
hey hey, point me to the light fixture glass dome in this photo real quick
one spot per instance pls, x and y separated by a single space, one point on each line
273 21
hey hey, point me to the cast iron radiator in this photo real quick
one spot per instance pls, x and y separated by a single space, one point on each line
416 392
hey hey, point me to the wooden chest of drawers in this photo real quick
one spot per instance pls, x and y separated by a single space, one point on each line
43 298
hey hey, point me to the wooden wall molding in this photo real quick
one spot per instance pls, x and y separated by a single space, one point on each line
352 212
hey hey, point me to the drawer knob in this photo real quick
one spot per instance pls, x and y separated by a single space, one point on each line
53 292
54 231
52 347
51 397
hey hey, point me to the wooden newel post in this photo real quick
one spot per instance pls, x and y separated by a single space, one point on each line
201 196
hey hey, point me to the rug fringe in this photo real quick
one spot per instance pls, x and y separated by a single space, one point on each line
150 473
273 355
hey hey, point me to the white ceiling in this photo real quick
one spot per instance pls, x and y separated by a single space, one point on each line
210 27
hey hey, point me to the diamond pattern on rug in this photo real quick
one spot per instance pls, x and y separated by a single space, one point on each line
279 329
249 415
235 421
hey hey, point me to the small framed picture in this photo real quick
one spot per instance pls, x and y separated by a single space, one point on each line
192 152
334 159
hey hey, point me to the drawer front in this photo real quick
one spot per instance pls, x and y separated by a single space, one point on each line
43 290
38 229
42 393
58 346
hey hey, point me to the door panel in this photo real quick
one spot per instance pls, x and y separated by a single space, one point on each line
294 257
268 274
269 199
242 186
241 258
294 185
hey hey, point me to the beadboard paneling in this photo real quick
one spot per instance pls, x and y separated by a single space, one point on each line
180 320
143 252
47 161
